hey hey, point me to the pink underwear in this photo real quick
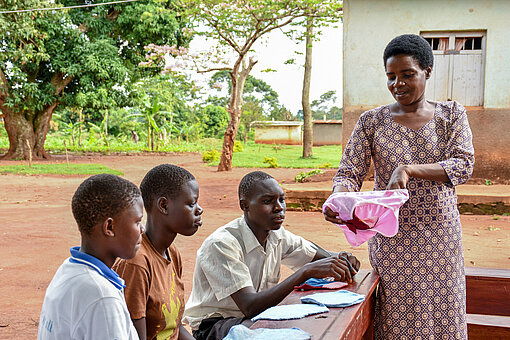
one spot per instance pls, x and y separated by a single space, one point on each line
366 213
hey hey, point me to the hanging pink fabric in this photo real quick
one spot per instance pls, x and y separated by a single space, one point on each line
366 213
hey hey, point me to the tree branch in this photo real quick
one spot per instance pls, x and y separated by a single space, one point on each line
215 69
60 82
4 86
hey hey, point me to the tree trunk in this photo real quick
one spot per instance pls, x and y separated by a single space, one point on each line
32 128
305 97
234 109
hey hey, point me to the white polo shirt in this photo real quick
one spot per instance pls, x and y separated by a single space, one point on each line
232 258
85 300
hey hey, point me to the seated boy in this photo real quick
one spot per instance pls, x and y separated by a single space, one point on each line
85 299
155 290
238 266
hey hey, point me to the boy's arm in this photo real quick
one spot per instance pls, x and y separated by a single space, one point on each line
141 327
323 253
183 334
252 303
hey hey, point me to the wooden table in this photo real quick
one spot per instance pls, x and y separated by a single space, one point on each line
353 322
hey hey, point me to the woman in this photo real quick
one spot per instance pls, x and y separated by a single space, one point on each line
426 147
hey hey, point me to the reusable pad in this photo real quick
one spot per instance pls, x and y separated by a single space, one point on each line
313 283
367 212
342 298
241 332
288 312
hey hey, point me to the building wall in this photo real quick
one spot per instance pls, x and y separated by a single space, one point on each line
278 134
370 24
329 133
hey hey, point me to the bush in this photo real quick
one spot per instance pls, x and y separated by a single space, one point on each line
304 175
271 161
324 166
238 146
211 156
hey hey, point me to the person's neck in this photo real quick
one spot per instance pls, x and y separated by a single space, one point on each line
90 247
414 108
260 235
160 238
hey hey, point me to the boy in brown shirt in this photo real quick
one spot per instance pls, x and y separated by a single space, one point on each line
154 287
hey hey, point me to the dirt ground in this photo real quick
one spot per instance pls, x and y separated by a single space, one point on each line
38 229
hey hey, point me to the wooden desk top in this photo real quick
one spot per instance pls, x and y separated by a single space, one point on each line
338 323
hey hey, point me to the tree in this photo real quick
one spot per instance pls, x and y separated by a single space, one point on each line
236 25
86 57
313 19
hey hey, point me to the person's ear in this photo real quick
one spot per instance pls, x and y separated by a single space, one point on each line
428 72
162 205
243 203
108 227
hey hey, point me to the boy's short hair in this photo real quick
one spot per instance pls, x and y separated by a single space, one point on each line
163 180
249 180
413 45
99 197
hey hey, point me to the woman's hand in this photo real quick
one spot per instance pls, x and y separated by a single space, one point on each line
332 216
399 178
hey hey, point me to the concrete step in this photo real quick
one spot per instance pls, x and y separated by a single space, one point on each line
472 199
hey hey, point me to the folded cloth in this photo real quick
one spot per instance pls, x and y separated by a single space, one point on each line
320 284
367 212
241 332
342 298
288 312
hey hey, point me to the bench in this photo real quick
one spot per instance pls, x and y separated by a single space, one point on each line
488 303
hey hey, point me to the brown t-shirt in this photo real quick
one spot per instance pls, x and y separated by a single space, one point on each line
154 289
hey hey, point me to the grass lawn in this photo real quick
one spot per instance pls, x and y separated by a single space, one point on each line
58 169
287 156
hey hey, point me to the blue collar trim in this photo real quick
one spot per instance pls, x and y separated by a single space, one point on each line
78 257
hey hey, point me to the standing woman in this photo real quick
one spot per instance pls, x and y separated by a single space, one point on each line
426 147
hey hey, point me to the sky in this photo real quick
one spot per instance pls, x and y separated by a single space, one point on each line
276 48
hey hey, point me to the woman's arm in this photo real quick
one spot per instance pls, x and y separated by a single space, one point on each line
400 176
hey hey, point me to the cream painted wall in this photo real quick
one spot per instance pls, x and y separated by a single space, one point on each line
370 24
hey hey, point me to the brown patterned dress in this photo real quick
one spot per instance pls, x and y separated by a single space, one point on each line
422 290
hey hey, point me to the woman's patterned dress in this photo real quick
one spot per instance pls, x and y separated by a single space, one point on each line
422 289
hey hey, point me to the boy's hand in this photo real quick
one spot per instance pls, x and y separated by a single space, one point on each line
329 267
352 261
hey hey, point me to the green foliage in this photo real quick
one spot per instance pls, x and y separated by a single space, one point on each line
238 146
84 57
58 169
213 120
324 165
304 175
289 156
271 161
211 156
488 182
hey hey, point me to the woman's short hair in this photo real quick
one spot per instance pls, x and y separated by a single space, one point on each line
412 45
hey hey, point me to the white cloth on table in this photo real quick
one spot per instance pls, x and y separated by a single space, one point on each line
289 312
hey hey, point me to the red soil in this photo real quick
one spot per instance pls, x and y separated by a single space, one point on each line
38 230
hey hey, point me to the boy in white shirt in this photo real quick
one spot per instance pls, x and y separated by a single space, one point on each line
85 299
238 266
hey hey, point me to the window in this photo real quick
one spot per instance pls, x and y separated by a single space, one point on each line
459 65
